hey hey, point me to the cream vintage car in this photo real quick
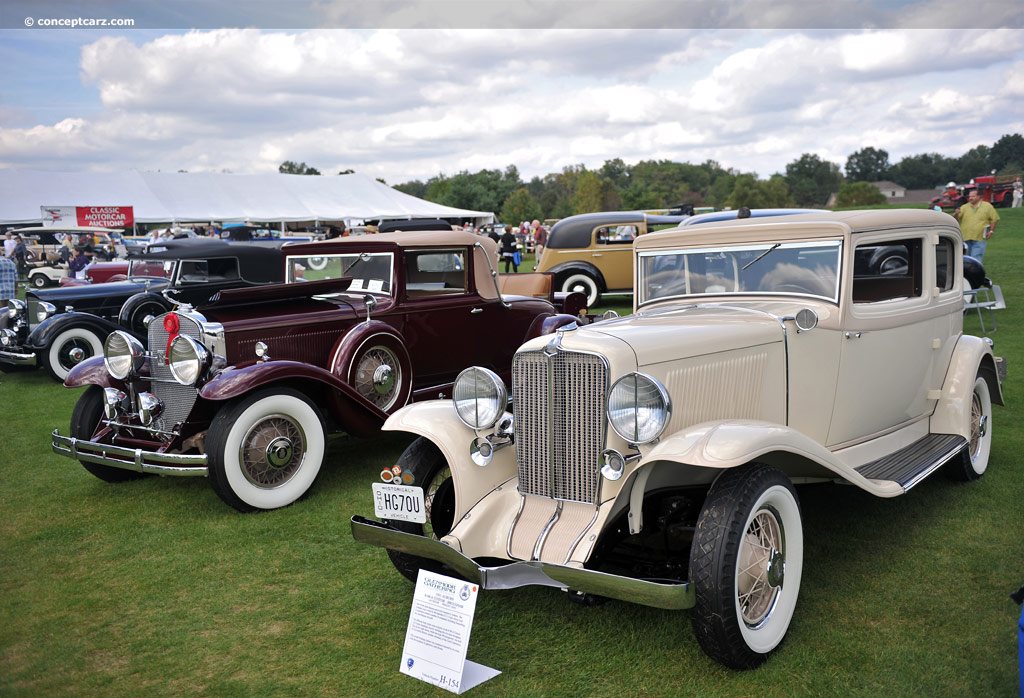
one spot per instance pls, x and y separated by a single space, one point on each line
653 458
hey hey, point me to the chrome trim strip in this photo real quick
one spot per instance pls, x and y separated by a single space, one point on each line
568 555
512 529
129 458
936 465
539 545
533 573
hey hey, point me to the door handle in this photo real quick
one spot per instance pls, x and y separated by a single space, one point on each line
853 335
474 311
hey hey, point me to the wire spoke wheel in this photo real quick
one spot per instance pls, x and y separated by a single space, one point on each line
378 377
272 451
976 430
758 576
439 504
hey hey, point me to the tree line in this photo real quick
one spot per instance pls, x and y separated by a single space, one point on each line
808 181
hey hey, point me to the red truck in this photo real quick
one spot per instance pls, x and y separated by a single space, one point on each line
995 189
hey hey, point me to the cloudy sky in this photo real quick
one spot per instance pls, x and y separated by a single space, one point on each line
406 90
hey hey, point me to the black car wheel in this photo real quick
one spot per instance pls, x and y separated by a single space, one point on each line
85 419
429 470
68 349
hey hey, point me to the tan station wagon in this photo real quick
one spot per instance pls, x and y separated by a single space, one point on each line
654 458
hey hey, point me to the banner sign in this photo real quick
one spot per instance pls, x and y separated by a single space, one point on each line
438 635
90 216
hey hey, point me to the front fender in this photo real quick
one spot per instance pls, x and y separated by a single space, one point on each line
435 420
728 444
546 324
355 414
42 335
92 372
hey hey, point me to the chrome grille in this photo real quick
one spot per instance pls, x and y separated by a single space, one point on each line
559 423
32 306
178 399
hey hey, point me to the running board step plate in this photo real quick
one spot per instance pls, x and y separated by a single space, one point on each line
910 465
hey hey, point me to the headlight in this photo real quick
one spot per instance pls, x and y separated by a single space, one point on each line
638 408
14 307
479 397
187 359
123 355
45 310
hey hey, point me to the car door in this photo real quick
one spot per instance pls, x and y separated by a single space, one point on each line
441 322
892 344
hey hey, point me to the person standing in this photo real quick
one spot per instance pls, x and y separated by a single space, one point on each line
1018 192
78 263
21 255
540 239
508 247
9 244
8 280
977 223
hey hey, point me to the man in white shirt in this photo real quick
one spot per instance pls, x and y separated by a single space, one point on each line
9 244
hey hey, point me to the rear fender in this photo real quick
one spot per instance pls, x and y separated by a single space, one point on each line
575 267
971 357
354 413
435 420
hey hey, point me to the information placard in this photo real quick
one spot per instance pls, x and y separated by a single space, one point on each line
437 638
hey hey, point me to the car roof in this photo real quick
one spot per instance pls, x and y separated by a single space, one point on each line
811 223
63 229
716 216
410 238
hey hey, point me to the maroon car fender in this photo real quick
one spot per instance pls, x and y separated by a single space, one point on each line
92 372
366 337
546 324
354 413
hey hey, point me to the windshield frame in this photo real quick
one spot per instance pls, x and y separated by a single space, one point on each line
349 257
763 252
132 263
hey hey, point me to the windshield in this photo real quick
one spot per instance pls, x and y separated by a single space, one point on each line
801 268
370 272
151 268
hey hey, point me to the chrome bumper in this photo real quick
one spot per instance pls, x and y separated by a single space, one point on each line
129 458
13 357
519 574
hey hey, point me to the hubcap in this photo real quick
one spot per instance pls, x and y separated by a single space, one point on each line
383 379
272 451
761 568
76 355
279 452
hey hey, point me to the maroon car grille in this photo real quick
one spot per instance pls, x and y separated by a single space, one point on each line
559 423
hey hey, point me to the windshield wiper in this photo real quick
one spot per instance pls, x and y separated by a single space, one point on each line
758 257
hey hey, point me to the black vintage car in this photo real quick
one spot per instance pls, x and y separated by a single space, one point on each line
59 328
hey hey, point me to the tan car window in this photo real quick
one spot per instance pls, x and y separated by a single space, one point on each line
887 271
944 264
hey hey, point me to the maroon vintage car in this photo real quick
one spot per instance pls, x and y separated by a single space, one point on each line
244 389
100 272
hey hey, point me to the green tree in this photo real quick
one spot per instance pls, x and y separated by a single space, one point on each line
976 161
414 188
289 167
867 165
812 180
520 206
587 196
749 191
924 171
859 194
1007 151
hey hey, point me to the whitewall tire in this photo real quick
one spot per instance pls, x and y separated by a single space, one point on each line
583 283
70 348
266 449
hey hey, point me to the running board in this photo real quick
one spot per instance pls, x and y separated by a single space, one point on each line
910 465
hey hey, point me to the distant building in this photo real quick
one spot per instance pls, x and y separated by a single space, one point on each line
891 189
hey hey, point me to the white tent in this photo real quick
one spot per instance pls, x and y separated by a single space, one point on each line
159 197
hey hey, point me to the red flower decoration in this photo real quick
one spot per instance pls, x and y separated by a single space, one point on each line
172 325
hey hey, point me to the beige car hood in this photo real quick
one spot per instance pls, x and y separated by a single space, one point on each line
670 334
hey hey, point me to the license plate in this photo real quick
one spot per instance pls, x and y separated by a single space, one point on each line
399 503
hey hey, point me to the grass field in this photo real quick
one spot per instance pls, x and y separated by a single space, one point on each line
156 588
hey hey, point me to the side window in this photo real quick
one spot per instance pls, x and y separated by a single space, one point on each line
435 272
204 271
945 264
887 271
616 234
